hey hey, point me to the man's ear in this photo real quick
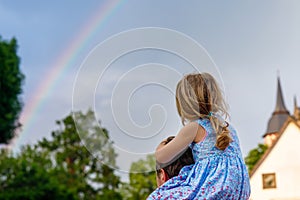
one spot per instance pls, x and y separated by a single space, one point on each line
164 175
161 177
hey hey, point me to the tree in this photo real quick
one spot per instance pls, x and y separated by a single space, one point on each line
62 166
143 183
254 156
85 173
21 178
11 80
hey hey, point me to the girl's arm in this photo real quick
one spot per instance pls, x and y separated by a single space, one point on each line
179 144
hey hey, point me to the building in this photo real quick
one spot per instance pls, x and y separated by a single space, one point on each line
276 176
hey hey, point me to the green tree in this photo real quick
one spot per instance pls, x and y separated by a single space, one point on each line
85 173
254 156
143 183
11 80
22 179
62 166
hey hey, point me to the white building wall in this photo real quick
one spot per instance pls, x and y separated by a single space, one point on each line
284 161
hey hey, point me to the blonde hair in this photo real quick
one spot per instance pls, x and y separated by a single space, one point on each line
197 97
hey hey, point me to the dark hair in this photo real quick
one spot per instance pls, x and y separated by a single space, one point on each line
174 168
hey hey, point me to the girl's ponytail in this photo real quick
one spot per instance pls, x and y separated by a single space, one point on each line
223 139
222 131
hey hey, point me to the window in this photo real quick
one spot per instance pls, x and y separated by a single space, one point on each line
269 180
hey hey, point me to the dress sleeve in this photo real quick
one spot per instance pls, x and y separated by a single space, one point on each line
178 145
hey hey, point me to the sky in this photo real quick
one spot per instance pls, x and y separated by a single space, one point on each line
246 44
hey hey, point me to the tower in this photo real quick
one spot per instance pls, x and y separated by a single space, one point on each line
296 111
278 118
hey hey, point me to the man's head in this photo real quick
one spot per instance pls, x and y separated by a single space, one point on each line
173 169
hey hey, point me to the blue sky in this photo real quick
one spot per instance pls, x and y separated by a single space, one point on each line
248 40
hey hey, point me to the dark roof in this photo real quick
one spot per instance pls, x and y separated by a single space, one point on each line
276 122
280 114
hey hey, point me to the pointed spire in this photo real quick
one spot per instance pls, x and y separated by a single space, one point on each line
296 109
280 114
280 106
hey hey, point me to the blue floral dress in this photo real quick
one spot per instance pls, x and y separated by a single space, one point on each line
216 174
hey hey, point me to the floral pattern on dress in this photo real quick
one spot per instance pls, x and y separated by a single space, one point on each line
216 174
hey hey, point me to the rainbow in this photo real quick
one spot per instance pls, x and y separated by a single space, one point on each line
61 64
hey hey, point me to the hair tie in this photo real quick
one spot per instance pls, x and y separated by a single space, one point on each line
210 114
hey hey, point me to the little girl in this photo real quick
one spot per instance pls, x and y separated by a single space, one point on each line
219 171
